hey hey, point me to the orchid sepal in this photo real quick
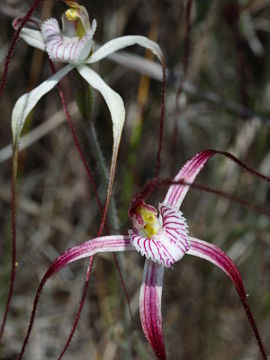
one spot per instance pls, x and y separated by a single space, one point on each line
188 173
26 103
117 111
150 307
112 243
122 42
218 257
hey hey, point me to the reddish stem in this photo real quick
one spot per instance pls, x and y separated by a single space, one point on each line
186 56
11 49
77 318
13 43
13 229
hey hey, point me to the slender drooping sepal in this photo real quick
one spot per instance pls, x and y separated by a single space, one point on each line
113 243
123 42
117 110
27 102
213 254
150 307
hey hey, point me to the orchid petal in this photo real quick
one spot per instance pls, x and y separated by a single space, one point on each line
113 243
168 246
188 173
65 49
33 38
117 110
219 258
27 102
123 42
175 226
150 307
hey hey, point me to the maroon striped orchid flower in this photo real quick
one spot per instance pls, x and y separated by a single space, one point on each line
163 238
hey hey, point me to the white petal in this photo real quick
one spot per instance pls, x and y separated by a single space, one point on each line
65 49
33 38
123 42
27 102
117 110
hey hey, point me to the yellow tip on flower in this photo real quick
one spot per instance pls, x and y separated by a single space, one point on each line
72 14
151 223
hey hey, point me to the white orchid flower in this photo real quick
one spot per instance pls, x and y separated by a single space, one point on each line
74 45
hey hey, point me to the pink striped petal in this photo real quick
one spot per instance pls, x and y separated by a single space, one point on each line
219 258
113 243
188 173
66 49
150 307
170 244
175 226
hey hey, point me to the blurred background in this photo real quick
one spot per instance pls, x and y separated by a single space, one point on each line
218 96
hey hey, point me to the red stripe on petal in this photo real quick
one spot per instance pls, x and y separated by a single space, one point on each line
170 244
69 49
188 173
89 248
150 307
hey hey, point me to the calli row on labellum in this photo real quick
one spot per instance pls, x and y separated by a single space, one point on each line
163 238
73 44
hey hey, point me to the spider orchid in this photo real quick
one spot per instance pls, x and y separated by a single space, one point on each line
74 45
163 239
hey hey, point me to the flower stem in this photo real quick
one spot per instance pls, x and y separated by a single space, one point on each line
13 229
13 43
112 212
77 318
11 49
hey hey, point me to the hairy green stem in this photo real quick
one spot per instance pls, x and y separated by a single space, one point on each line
104 173
113 218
